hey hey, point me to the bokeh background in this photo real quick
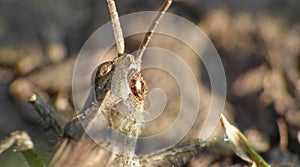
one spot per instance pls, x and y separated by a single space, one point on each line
258 41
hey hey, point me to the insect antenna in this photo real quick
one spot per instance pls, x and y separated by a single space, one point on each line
116 26
151 29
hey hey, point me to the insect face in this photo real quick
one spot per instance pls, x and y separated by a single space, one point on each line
123 77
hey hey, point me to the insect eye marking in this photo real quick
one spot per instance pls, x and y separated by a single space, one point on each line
101 71
138 86
105 68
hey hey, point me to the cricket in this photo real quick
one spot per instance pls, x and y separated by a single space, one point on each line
77 149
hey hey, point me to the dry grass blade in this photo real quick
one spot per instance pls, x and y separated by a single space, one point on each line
23 142
240 144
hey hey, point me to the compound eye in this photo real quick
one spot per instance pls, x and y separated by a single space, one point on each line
138 86
105 68
101 71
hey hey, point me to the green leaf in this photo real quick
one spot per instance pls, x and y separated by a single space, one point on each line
32 158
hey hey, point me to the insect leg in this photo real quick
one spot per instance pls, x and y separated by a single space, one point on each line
188 146
46 113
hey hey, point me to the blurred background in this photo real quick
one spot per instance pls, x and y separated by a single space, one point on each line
258 41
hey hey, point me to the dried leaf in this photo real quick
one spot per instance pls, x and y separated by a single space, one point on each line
240 144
